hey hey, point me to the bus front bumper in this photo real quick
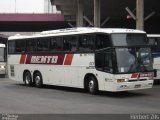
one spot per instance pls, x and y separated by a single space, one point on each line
2 71
127 86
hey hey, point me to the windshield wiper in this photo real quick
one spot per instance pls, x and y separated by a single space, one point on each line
143 68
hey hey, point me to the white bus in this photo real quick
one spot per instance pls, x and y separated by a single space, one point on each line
90 58
2 59
154 42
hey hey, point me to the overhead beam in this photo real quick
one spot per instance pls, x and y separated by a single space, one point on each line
130 13
68 7
90 23
72 26
105 21
64 2
149 16
68 12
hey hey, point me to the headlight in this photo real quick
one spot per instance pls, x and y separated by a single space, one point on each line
120 80
2 66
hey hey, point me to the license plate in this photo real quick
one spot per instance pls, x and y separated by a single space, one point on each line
137 86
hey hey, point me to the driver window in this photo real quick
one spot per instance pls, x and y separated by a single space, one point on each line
108 62
103 62
99 61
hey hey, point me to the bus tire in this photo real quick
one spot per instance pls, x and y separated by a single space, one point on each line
38 80
92 85
27 78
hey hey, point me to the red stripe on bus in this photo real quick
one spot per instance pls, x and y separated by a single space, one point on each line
22 60
50 59
68 59
135 75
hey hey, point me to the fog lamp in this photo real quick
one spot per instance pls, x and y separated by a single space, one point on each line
120 80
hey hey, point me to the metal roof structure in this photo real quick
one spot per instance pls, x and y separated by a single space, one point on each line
113 8
113 13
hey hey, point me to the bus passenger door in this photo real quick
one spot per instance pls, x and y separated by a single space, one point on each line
104 69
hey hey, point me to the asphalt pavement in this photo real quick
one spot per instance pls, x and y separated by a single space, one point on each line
15 98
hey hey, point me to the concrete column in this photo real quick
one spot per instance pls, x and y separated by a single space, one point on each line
97 13
80 13
140 15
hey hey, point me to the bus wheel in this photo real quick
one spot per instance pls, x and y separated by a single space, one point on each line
27 79
38 80
92 85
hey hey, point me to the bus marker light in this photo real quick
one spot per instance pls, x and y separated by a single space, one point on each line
2 66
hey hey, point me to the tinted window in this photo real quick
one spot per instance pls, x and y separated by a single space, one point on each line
108 62
20 46
155 44
129 39
158 42
86 42
11 47
16 46
102 41
103 61
43 44
99 61
31 45
56 44
152 41
70 43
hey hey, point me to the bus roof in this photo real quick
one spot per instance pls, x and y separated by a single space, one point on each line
153 35
72 31
2 45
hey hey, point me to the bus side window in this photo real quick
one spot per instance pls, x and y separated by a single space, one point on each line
70 43
11 47
43 45
56 44
20 46
155 44
151 41
31 45
158 42
86 43
102 41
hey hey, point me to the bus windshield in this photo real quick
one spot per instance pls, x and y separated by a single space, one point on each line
128 39
1 54
133 60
